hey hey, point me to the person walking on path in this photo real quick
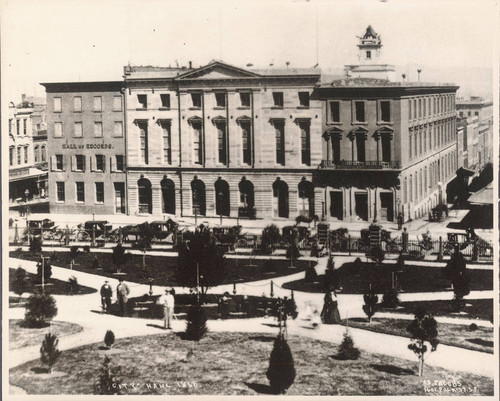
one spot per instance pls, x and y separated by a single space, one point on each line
330 313
122 292
106 294
167 300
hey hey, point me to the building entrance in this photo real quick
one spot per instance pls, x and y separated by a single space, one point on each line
386 206
336 205
119 197
361 199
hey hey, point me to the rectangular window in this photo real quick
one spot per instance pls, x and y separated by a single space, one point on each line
59 162
409 109
10 126
19 155
197 143
143 101
98 129
58 132
336 148
37 154
118 129
278 99
386 148
78 130
57 104
165 100
77 104
385 111
420 108
99 192
245 99
304 99
143 135
410 142
222 142
280 142
117 103
24 126
167 148
26 154
100 163
196 100
97 103
368 55
80 192
18 127
246 142
305 142
61 196
360 147
120 163
220 99
80 163
335 112
11 155
360 111
414 109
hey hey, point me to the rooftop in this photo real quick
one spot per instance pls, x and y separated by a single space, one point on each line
374 82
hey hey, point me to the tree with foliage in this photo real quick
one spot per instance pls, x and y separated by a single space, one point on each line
35 245
73 253
331 275
108 382
270 238
95 263
48 351
281 371
290 307
146 235
196 326
200 261
73 284
311 274
20 284
425 244
371 300
292 251
422 329
47 270
119 257
456 271
315 250
377 254
109 338
390 298
347 350
39 308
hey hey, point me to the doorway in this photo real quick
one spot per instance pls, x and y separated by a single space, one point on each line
361 200
337 205
386 206
119 197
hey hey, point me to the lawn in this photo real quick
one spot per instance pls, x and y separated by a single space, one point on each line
234 364
355 277
21 337
162 268
52 286
474 308
457 335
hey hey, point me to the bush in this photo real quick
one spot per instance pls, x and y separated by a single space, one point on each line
311 275
315 250
86 248
39 308
331 275
270 237
281 371
109 338
35 245
371 300
48 351
390 299
291 307
47 271
107 383
302 219
473 327
73 284
292 252
347 350
20 285
196 326
96 264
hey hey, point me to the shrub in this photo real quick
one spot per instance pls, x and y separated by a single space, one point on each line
196 326
270 237
86 248
39 308
73 252
73 284
347 350
371 300
20 284
119 257
268 266
473 327
311 275
302 219
47 271
109 338
281 371
331 275
95 263
291 307
390 298
292 252
35 245
107 383
48 351
315 250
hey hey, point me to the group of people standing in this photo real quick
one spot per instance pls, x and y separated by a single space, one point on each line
122 293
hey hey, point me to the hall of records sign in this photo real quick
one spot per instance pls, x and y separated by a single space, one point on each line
87 146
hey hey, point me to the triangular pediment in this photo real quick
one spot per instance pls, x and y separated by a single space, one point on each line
217 70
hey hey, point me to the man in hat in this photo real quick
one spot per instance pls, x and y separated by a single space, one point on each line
106 294
122 292
168 302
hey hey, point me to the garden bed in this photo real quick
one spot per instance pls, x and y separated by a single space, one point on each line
235 364
457 335
162 268
21 337
355 277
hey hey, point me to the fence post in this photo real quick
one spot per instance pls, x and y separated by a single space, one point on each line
440 252
349 244
272 289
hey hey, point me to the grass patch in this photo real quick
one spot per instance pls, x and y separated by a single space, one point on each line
475 308
21 337
235 364
457 335
52 286
162 268
355 277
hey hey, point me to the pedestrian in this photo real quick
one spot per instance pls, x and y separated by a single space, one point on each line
122 292
106 294
167 300
225 305
404 236
400 221
330 313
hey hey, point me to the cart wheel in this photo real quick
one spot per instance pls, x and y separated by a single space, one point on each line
83 236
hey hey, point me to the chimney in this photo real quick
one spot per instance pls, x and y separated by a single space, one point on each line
190 65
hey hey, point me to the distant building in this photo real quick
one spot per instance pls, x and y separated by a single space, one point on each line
28 155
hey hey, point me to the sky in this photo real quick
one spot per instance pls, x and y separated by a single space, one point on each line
73 40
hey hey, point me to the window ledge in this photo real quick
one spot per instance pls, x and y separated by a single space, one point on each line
220 108
333 123
385 122
194 108
141 108
359 123
117 111
243 108
77 111
164 108
303 107
277 107
96 111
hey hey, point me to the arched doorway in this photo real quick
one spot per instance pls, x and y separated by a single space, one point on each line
199 201
222 207
280 193
247 202
306 198
145 199
168 195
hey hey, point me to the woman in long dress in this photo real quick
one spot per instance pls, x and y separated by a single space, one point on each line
330 313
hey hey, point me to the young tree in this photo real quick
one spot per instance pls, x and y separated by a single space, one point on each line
35 245
456 271
48 351
347 350
422 329
377 254
20 284
311 274
292 251
390 298
108 382
73 253
73 284
119 257
39 308
146 235
196 326
200 261
47 270
281 371
109 338
270 237
371 300
331 275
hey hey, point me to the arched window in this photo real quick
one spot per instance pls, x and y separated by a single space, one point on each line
280 192
246 206
198 192
222 206
145 198
306 198
168 195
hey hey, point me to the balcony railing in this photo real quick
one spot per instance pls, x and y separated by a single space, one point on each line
357 165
